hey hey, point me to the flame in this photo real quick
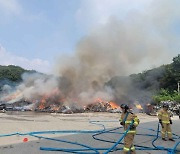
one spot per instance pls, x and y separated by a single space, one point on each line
114 105
13 96
53 96
138 106
42 104
55 108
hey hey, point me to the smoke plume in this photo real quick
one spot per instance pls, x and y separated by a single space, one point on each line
122 47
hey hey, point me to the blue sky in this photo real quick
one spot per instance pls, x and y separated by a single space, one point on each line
33 33
39 28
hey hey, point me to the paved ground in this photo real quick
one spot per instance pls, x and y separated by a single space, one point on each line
78 122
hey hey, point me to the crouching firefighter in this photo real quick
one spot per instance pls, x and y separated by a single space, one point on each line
129 121
165 121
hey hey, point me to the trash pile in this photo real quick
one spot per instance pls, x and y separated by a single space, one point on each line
60 108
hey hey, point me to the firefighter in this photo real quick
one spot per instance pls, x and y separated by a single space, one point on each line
126 119
165 121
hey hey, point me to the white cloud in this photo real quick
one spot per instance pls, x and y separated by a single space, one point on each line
92 12
7 58
10 7
13 8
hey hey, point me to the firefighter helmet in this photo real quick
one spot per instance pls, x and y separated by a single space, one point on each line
165 105
124 106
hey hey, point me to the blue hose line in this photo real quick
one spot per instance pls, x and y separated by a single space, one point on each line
59 140
61 149
94 136
157 134
56 132
67 132
136 134
174 148
159 131
97 132
144 147
97 124
68 150
107 131
52 132
73 142
159 147
13 134
138 147
110 149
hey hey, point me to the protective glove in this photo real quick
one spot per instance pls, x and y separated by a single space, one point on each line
170 122
160 121
132 127
122 123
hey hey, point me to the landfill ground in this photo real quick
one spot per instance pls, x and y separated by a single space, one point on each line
25 122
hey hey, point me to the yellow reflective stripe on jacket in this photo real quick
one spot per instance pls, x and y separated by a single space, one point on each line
162 132
165 122
169 132
136 123
128 122
133 148
131 131
126 149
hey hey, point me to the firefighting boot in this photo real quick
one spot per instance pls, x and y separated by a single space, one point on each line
132 152
171 140
164 139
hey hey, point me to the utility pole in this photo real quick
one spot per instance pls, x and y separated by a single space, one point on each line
178 87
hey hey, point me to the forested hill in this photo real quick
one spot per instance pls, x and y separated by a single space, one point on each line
166 76
12 73
160 83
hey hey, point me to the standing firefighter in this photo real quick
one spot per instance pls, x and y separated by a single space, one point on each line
165 121
128 120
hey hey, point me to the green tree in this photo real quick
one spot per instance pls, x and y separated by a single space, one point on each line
12 73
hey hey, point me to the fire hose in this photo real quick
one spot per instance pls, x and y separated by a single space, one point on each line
89 149
116 143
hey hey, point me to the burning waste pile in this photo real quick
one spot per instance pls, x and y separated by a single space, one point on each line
43 93
47 93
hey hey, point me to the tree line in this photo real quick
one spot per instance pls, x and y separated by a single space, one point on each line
162 81
11 75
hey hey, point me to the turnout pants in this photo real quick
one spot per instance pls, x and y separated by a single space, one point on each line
128 144
166 128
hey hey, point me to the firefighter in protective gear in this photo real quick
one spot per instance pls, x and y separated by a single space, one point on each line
127 120
165 121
